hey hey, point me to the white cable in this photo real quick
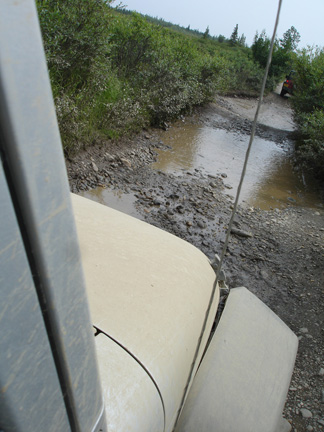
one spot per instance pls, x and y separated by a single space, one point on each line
186 390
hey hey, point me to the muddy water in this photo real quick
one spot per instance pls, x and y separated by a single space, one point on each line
114 199
270 180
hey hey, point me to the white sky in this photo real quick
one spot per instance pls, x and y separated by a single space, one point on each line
251 15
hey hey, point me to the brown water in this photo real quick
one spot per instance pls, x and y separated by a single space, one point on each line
114 199
270 180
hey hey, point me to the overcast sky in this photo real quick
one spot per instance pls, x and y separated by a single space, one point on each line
251 15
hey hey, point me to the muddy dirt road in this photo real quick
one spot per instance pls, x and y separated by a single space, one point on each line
282 258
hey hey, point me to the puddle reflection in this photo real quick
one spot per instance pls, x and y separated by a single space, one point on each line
270 180
115 199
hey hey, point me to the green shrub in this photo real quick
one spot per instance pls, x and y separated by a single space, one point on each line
310 148
113 74
131 42
309 81
75 41
179 78
245 75
74 34
308 104
282 55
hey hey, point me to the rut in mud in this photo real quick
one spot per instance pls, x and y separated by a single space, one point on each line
282 258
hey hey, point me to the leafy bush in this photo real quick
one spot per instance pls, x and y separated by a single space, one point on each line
75 41
179 78
168 72
309 81
114 73
310 149
244 74
282 56
308 103
132 41
74 35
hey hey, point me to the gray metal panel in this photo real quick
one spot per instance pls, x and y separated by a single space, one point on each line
38 182
30 399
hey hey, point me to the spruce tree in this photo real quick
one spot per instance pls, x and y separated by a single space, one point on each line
234 36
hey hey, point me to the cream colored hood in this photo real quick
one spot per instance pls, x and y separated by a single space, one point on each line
148 290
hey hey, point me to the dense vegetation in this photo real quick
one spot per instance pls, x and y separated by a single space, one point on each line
283 55
308 103
115 73
308 99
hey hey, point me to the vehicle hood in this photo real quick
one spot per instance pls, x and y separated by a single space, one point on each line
148 291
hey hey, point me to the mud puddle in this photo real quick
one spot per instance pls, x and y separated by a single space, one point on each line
116 199
270 180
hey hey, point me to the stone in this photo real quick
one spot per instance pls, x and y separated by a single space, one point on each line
306 414
109 158
94 166
240 233
201 224
321 372
264 274
126 162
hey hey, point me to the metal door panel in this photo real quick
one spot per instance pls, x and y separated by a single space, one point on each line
30 399
35 172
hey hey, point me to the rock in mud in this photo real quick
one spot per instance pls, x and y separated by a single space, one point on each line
241 233
306 414
94 166
201 224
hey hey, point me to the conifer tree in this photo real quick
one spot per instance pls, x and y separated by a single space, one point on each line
234 36
290 39
206 34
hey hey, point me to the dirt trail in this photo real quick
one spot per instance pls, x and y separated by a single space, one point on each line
275 111
282 262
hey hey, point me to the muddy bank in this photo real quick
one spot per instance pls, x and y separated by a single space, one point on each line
282 259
